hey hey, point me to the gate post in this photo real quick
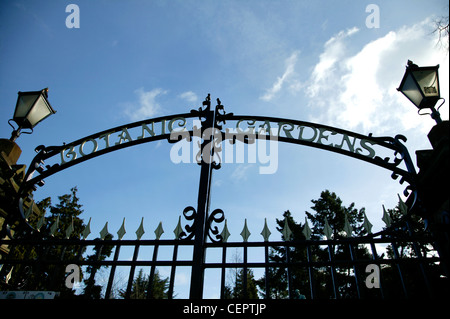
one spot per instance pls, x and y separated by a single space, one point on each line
207 134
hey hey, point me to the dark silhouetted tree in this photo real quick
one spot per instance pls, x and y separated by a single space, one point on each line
139 287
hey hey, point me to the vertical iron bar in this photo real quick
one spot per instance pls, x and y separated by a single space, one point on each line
172 272
245 272
151 278
310 271
355 270
396 256
133 267
333 271
42 257
93 272
266 259
420 260
223 275
197 274
112 273
289 273
54 280
196 291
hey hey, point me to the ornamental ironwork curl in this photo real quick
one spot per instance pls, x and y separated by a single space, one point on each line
189 214
217 216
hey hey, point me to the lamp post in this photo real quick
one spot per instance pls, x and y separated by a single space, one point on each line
421 86
31 108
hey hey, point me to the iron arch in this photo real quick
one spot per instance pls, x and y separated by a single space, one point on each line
215 127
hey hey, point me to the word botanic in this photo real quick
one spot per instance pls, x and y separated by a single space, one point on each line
260 136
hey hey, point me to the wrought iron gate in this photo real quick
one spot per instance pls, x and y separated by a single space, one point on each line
376 276
401 276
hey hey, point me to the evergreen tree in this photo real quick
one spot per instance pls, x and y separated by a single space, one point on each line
238 291
404 226
412 277
235 288
51 277
250 292
278 277
328 207
139 287
277 281
101 251
67 211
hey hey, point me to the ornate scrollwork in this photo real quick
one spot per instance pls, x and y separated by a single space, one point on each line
217 216
210 148
207 107
221 115
189 234
401 155
190 214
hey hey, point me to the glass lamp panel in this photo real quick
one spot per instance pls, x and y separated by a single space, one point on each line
428 82
24 103
39 112
411 90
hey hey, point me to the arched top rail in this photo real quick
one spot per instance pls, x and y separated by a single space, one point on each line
386 152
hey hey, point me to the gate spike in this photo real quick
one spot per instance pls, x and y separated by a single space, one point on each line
402 206
386 218
347 227
367 225
29 210
140 231
327 231
9 275
87 229
306 230
287 233
121 232
265 232
159 231
69 229
40 223
225 233
178 230
54 226
245 233
104 232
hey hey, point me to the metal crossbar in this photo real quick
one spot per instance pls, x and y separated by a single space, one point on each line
330 267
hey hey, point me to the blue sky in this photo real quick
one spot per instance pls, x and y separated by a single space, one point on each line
315 61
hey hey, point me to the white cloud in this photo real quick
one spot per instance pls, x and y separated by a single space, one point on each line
334 51
146 106
286 77
240 172
188 96
358 90
363 92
